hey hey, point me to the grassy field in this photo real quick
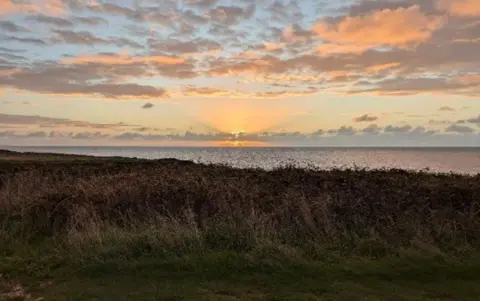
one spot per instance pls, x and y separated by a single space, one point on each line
85 228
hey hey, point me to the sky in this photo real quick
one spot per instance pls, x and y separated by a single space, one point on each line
240 72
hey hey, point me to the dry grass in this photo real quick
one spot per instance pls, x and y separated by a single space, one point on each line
179 206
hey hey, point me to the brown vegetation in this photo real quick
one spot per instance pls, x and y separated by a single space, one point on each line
182 206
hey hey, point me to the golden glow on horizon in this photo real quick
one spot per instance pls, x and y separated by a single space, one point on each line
236 143
241 117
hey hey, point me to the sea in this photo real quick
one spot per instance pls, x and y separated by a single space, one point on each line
441 160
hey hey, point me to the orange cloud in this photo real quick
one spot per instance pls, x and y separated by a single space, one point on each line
295 33
245 55
9 72
469 79
283 94
235 68
51 7
290 78
10 7
377 68
463 8
196 91
123 60
329 48
273 46
401 27
215 92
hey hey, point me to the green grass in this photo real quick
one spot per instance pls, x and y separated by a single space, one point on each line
236 276
81 228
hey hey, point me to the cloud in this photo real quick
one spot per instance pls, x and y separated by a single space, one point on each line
12 7
420 130
123 60
90 136
114 9
39 134
87 38
285 93
33 41
77 80
455 128
156 65
447 109
112 90
124 42
16 103
54 135
12 27
10 50
295 33
203 91
401 27
148 129
93 21
204 4
344 131
439 122
231 14
124 66
175 46
344 136
80 37
474 120
56 21
255 66
397 129
408 86
365 118
215 92
268 47
138 14
372 129
462 8
192 18
42 121
13 57
51 7
383 67
148 105
188 136
362 7
284 12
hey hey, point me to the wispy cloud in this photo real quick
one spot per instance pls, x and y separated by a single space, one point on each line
12 27
365 118
447 109
460 7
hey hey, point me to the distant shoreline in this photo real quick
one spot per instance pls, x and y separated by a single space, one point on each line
20 157
433 160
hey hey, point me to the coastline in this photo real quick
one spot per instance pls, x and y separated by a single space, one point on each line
118 228
459 160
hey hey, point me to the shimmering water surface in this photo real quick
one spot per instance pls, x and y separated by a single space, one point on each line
459 160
